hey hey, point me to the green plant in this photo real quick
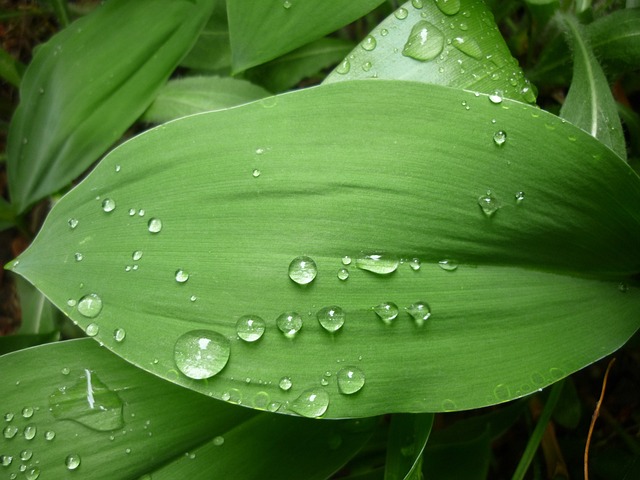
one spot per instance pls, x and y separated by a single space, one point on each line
444 243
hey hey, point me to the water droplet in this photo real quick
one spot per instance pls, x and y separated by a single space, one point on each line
117 168
448 265
92 329
119 334
489 204
49 435
5 460
350 380
10 431
343 274
387 311
73 223
218 441
232 396
30 431
155 225
502 392
32 474
302 270
90 305
137 255
27 412
623 287
420 312
127 451
449 405
344 67
311 403
8 417
201 354
369 43
384 32
381 263
469 47
193 298
425 42
331 318
417 4
108 205
286 4
519 197
414 264
289 323
285 383
72 461
256 173
401 13
366 66
346 260
181 276
250 328
448 7
496 97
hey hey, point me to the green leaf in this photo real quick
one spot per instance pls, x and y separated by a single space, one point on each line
67 81
38 314
408 436
360 166
190 95
457 44
262 31
7 215
10 68
212 51
140 424
589 103
287 71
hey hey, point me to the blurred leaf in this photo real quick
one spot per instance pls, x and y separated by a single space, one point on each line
458 47
10 68
631 121
467 457
285 72
186 96
7 215
92 107
589 103
79 399
212 51
568 410
18 341
38 314
262 31
60 9
543 285
408 436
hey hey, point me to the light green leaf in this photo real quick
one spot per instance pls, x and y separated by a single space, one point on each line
186 96
457 44
408 436
262 31
86 86
589 103
285 72
360 166
212 51
78 399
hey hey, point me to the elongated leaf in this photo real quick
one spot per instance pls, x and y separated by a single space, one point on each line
187 96
456 44
120 422
589 103
10 68
262 31
72 110
396 167
408 436
212 51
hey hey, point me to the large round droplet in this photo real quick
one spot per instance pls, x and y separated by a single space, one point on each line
154 225
311 403
343 274
425 42
250 328
350 380
201 354
108 205
489 204
331 318
289 323
387 311
420 312
90 305
302 270
72 461
381 263
369 43
448 7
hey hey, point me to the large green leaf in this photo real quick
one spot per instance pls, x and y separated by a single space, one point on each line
396 167
262 31
76 399
88 84
453 43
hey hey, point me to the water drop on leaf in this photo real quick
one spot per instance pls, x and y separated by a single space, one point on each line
289 324
331 318
108 205
343 274
420 312
350 380
72 461
448 7
489 204
401 13
311 403
285 383
250 328
381 263
448 265
344 67
155 225
302 270
425 42
387 311
119 335
181 276
369 43
500 138
201 354
90 305
92 329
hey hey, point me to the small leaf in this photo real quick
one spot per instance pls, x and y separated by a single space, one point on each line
589 103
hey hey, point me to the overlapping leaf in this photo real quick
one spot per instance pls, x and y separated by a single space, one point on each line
543 285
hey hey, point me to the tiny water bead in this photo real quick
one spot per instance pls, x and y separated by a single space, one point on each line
155 225
448 265
78 256
448 7
387 311
137 255
381 263
519 197
420 312
92 329
90 305
344 67
343 274
72 461
201 354
285 383
346 260
119 335
181 276
218 441
303 270
311 403
256 173
369 43
108 205
289 323
489 204
350 380
414 264
425 42
250 328
331 318
500 138
73 223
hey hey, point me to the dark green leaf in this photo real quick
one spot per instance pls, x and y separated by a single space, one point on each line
10 68
467 457
408 436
